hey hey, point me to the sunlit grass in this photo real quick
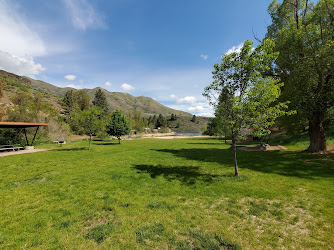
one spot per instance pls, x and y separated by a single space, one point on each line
166 194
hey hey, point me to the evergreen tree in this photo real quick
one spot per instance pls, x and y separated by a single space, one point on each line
118 125
69 101
100 100
193 119
161 121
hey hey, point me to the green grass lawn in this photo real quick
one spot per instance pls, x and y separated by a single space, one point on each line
165 194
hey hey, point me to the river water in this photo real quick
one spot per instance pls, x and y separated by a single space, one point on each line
188 134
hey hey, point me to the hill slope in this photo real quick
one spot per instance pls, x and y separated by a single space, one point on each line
116 100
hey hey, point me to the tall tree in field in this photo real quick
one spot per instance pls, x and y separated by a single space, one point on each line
303 32
92 121
242 96
118 125
100 100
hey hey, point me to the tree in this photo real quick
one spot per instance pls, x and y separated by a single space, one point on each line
303 32
193 119
161 121
82 100
69 101
91 120
137 122
245 97
118 125
100 100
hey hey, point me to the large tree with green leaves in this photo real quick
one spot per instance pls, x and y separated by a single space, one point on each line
242 96
118 125
92 121
303 32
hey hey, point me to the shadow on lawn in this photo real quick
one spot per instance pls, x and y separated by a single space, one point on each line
287 163
185 174
106 143
70 149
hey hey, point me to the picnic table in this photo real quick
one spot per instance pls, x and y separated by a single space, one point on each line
15 147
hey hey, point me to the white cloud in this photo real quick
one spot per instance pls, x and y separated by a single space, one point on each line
204 57
19 65
70 77
127 87
17 37
84 15
206 114
74 86
197 108
235 49
173 96
108 84
187 99
19 43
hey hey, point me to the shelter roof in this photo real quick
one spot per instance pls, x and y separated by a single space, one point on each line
21 124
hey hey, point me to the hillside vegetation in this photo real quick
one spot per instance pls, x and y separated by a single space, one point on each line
24 87
116 100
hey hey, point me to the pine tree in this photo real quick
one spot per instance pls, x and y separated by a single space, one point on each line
100 100
119 125
161 121
193 119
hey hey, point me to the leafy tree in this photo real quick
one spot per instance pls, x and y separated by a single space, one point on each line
137 122
100 100
193 119
161 121
245 97
303 32
118 125
91 120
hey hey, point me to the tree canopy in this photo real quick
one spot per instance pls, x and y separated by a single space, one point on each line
303 32
91 120
242 96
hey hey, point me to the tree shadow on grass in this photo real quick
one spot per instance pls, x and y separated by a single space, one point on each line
185 174
71 149
106 143
286 163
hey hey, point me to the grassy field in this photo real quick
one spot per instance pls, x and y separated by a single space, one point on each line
165 194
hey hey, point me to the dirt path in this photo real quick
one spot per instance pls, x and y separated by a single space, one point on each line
22 152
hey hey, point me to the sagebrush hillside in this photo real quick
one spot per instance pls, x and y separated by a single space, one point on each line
116 100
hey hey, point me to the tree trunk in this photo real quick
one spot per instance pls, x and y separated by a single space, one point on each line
90 139
317 136
236 170
119 140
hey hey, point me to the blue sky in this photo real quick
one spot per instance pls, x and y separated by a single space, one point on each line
161 49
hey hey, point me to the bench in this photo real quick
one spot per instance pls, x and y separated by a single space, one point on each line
10 147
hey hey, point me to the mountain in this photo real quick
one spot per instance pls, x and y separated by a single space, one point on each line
116 100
